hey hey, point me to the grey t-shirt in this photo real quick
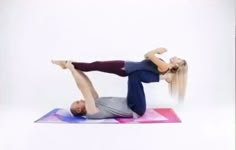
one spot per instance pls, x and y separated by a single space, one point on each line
111 107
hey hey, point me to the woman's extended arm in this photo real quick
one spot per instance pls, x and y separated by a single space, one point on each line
162 66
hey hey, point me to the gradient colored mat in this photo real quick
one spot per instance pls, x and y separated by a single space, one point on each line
157 115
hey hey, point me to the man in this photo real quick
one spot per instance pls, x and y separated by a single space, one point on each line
151 69
93 106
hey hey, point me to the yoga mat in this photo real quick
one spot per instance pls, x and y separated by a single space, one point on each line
155 115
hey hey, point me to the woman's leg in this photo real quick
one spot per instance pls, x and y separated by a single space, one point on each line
114 67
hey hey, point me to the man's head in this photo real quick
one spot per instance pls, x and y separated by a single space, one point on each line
77 108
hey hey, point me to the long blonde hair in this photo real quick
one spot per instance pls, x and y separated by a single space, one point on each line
178 84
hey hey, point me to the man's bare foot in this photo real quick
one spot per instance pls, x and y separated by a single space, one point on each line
69 65
61 63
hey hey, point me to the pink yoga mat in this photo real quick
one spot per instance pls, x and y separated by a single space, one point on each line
152 115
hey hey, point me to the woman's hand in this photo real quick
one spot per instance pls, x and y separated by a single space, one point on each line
161 65
160 50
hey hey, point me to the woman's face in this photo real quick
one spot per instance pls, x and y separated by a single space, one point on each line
78 106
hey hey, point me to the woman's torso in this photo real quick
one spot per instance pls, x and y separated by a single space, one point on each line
146 65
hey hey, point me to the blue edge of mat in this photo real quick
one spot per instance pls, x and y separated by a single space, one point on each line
71 119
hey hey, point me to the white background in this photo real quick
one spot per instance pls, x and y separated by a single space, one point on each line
34 32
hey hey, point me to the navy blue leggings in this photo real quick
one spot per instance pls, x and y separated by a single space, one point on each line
135 96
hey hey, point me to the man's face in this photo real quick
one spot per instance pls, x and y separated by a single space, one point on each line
78 107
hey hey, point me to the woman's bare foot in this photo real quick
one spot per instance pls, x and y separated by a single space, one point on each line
61 63
69 65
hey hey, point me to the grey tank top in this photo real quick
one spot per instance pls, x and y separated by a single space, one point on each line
111 107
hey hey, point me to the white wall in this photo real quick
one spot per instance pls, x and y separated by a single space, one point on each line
34 32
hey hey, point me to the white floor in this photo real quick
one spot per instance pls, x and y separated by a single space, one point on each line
201 129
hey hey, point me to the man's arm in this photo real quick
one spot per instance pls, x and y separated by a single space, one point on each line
91 87
84 87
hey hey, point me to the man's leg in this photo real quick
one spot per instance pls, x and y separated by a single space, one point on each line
136 97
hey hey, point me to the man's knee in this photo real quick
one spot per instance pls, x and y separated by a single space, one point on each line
134 76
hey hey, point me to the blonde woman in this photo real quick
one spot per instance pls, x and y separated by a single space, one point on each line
151 69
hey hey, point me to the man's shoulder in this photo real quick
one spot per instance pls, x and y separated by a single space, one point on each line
111 98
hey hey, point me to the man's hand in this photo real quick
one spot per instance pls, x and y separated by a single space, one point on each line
69 65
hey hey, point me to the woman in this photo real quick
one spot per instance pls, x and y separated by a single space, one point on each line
152 69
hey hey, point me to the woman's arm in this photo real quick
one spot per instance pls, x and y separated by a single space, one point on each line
162 66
